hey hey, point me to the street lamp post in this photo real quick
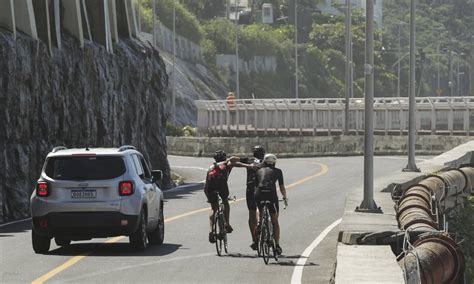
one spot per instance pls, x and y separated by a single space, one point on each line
237 90
296 52
174 64
368 204
348 64
411 167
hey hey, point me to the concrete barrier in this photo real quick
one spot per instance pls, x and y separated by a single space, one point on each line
102 21
310 146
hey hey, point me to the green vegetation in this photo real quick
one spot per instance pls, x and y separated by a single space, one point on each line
187 24
444 39
462 223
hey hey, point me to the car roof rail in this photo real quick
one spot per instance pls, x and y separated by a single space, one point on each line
126 147
58 148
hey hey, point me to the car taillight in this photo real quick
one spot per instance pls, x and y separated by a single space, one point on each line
42 189
125 188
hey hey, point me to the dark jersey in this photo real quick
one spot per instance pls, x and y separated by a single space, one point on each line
251 173
217 175
266 181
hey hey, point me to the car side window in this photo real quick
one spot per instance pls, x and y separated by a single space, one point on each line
138 166
145 167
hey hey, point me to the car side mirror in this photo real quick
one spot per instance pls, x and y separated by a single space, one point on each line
157 175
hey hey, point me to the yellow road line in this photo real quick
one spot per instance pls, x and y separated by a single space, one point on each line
60 268
77 258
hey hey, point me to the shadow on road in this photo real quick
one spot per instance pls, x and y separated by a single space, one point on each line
113 249
184 190
21 227
283 260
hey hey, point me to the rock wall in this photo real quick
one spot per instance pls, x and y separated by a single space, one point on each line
76 98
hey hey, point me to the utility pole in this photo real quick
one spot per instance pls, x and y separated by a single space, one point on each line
296 52
368 205
227 9
411 167
154 21
173 95
399 57
237 93
348 64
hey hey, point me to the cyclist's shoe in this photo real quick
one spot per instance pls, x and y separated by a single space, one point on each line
254 246
212 238
278 250
228 229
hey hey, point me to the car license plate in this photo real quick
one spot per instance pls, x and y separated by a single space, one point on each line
77 194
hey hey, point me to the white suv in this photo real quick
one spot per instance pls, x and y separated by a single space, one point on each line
96 193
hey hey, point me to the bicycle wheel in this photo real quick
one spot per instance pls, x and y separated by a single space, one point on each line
265 250
216 231
224 234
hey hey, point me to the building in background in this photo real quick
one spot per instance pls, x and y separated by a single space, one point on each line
328 7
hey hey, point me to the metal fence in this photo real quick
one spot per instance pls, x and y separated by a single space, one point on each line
273 117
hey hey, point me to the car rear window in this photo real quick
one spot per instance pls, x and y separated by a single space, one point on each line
85 168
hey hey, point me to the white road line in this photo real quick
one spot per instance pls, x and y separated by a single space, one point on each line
298 272
14 222
188 167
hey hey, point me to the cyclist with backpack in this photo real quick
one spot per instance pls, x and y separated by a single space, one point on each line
216 183
257 161
267 177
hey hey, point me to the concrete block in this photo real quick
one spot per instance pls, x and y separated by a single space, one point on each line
72 19
367 264
86 27
42 21
99 23
113 20
123 19
132 18
25 17
7 16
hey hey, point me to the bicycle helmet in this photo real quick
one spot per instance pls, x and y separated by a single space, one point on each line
258 151
220 156
270 159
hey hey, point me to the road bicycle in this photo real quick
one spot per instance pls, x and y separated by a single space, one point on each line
265 237
218 228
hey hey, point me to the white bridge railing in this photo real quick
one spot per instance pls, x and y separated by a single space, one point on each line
273 117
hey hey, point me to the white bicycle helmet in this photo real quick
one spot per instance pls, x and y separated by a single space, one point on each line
270 159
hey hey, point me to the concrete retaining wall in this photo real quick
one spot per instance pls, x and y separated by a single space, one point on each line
258 64
311 146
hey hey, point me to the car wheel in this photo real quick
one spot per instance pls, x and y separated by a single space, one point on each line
157 236
138 240
40 243
62 242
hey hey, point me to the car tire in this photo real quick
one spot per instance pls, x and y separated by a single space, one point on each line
62 242
40 243
138 240
157 236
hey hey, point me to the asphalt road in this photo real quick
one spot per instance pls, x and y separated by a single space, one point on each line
316 191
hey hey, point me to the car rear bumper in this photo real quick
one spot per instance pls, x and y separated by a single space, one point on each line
85 225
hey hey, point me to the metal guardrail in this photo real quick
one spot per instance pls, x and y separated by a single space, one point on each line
435 115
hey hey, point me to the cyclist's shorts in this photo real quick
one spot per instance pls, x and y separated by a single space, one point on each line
222 191
273 207
250 194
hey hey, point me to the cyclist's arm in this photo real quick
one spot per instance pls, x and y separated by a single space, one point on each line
206 187
281 183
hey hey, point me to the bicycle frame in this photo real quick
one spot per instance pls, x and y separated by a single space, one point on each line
265 238
218 228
